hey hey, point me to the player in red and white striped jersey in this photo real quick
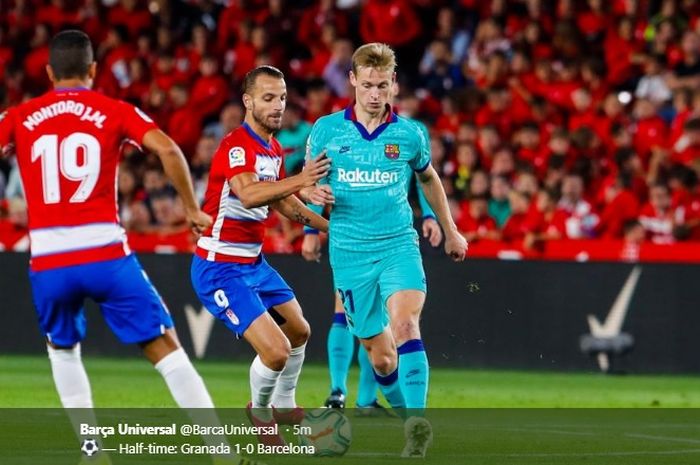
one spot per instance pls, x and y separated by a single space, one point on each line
237 232
232 279
67 144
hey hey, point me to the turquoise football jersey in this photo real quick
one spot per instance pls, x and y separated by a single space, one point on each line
370 176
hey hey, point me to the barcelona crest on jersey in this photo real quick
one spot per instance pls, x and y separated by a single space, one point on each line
391 151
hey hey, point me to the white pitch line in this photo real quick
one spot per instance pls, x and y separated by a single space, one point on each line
584 425
381 425
550 431
543 454
664 438
592 454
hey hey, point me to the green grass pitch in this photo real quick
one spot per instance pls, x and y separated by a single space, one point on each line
480 417
27 382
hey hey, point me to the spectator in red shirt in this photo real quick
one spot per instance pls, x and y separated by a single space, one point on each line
593 77
546 222
651 131
131 14
628 161
622 52
314 18
496 111
393 22
487 143
683 109
36 60
164 75
6 52
140 82
117 52
495 71
14 234
621 205
584 114
230 19
559 146
210 91
185 122
450 118
503 162
475 223
594 21
581 219
57 14
20 19
516 227
687 148
241 58
620 137
657 217
528 143
613 112
634 236
688 214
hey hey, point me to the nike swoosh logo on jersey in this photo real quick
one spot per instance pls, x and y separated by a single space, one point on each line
344 148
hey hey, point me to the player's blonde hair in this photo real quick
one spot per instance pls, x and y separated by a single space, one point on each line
374 55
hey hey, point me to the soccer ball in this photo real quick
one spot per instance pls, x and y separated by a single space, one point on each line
89 447
330 432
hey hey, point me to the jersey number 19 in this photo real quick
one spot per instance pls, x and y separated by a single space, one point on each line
64 157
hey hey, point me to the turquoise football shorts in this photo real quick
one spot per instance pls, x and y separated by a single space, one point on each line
365 289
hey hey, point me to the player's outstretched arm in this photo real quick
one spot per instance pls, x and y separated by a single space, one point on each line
295 210
175 167
253 193
455 244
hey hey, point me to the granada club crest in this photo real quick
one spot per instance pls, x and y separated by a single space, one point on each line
391 151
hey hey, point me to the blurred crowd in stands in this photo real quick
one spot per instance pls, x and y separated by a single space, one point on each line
549 119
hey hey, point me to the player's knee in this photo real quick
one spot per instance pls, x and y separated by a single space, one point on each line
275 358
302 334
405 330
384 364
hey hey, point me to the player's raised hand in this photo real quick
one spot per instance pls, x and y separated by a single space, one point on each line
321 195
199 221
432 231
315 169
311 248
456 246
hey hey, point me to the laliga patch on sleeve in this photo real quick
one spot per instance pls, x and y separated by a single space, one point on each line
236 157
143 115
